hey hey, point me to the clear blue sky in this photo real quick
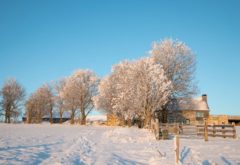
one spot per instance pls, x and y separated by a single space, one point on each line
44 40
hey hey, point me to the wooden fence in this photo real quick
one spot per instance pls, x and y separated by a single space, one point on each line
171 127
217 131
161 130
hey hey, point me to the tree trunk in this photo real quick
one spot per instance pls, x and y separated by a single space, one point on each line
61 114
29 117
7 114
140 122
9 120
72 117
5 118
147 120
83 121
29 120
39 117
164 115
129 122
51 116
83 117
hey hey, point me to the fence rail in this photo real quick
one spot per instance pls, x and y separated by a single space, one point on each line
217 131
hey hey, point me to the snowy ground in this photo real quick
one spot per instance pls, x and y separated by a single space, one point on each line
66 144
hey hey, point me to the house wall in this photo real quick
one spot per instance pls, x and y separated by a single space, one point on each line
234 119
187 117
226 119
193 118
218 119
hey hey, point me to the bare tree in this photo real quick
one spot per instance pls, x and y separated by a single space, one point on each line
59 98
179 65
78 93
49 101
70 99
12 94
40 103
31 109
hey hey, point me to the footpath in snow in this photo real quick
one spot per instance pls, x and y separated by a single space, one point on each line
66 144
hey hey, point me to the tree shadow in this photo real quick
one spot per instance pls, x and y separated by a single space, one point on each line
78 161
26 147
206 162
225 161
184 153
40 152
125 161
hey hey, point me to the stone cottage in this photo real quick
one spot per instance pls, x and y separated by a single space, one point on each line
189 111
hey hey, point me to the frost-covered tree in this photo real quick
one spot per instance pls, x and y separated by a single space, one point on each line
39 104
106 92
59 98
114 92
179 65
134 89
12 96
78 93
123 82
152 87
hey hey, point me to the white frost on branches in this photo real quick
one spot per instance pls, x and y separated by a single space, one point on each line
134 88
179 64
78 92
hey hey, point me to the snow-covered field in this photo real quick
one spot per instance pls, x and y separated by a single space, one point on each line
66 144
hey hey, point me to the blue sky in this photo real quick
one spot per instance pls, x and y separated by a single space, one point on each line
45 40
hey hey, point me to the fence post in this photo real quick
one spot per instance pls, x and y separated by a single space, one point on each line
205 130
234 131
223 130
214 131
176 145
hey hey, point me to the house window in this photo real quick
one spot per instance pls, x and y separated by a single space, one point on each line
199 115
187 121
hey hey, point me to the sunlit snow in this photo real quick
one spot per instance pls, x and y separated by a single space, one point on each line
75 144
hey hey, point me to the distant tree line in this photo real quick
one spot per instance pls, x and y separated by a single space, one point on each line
134 89
73 94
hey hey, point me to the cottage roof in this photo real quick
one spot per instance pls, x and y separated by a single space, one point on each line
199 104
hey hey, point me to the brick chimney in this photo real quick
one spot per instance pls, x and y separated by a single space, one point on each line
204 97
